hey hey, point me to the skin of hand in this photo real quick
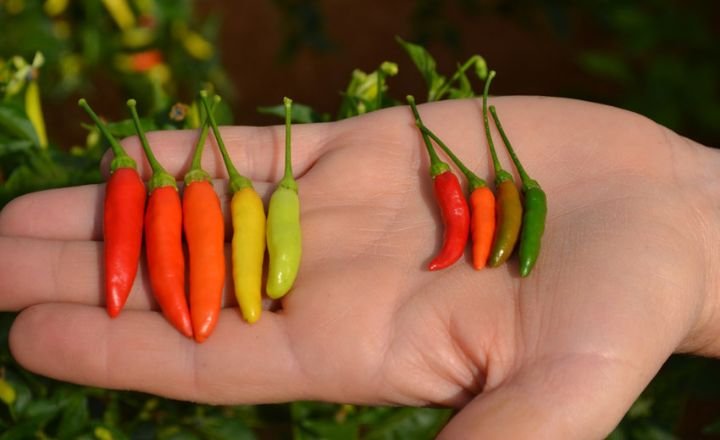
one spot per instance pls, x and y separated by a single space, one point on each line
628 275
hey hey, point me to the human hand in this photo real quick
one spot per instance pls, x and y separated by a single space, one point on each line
627 276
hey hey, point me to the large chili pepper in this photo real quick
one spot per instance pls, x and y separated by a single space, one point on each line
122 221
482 205
248 242
533 224
163 239
453 206
205 235
284 239
508 208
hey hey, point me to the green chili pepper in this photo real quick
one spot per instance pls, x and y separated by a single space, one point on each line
284 242
533 224
508 208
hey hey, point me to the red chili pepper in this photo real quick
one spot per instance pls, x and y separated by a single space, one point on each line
146 60
122 222
205 235
482 206
163 240
456 217
453 206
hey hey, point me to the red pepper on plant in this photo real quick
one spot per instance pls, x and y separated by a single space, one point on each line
453 206
122 221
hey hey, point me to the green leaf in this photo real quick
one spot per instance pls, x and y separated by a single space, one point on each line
425 63
14 122
712 429
75 417
220 428
126 128
26 429
14 146
414 423
605 65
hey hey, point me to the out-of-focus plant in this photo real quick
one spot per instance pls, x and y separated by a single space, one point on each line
152 49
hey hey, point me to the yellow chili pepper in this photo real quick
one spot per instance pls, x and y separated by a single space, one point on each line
248 250
248 243
33 108
121 12
7 392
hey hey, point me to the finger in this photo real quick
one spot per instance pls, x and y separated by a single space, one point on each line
62 214
140 351
76 213
580 396
37 271
40 271
257 152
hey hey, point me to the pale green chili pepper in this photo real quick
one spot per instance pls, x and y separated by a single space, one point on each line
284 240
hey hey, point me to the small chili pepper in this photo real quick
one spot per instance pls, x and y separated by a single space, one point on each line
508 206
533 224
122 221
248 242
284 237
33 108
453 206
482 206
163 239
205 236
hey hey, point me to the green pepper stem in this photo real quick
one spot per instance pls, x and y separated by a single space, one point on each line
473 179
196 170
288 181
526 180
237 180
122 159
437 166
500 174
461 69
160 177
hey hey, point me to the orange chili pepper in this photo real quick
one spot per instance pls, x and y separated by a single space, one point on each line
205 235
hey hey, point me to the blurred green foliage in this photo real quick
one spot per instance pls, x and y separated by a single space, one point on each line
658 55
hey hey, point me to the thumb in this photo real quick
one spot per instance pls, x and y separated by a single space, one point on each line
578 397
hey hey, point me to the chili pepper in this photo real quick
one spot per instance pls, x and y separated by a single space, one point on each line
482 206
533 224
122 222
205 235
453 206
145 60
33 106
163 239
508 207
284 239
248 242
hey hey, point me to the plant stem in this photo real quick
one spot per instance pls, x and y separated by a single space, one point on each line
237 181
500 174
288 181
160 177
437 166
527 181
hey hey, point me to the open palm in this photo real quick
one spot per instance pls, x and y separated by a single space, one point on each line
625 277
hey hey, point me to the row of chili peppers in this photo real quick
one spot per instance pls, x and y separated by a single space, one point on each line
495 224
199 215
